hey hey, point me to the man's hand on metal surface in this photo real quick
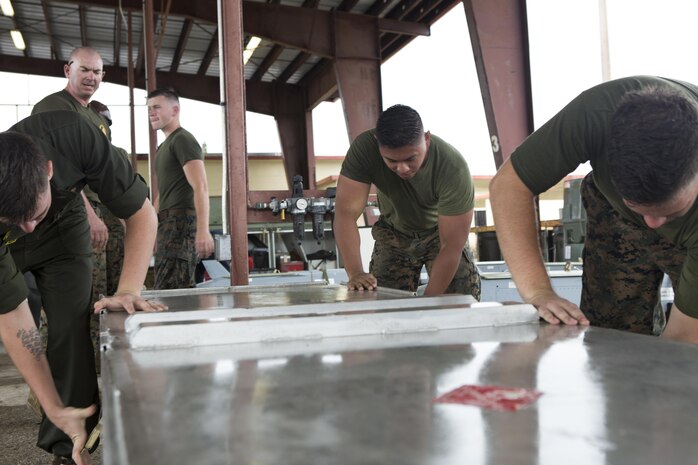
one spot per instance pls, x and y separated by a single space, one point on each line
72 422
555 310
99 233
362 281
129 302
204 245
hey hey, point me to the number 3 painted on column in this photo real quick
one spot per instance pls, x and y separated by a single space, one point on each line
495 143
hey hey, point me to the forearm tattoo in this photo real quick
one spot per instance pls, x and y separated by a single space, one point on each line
31 340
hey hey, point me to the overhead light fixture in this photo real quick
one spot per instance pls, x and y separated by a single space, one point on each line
250 48
6 7
17 39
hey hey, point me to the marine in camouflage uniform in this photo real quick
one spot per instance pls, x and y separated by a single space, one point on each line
639 136
183 204
425 195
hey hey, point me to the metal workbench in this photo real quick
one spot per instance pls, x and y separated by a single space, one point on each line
276 394
498 285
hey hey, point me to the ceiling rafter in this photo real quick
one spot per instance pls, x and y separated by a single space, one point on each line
401 11
347 5
139 69
269 60
309 31
200 10
117 38
378 7
294 66
277 49
211 51
164 16
82 13
427 15
322 80
305 33
181 44
321 67
55 49
436 11
265 16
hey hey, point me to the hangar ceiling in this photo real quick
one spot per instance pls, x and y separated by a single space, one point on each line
297 39
310 51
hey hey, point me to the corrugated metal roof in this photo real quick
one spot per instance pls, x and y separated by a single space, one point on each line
52 29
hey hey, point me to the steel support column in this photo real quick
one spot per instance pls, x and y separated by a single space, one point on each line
499 37
295 125
131 85
357 68
150 84
233 92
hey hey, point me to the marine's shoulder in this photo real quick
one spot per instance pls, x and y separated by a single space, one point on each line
61 100
181 133
48 121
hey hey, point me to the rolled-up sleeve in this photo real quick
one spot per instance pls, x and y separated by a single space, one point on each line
13 290
129 201
686 297
109 174
82 155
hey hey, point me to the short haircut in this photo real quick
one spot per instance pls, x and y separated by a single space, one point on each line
167 92
79 50
399 126
653 145
23 176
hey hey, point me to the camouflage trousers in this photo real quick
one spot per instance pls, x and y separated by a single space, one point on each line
624 265
106 269
175 255
398 258
114 251
109 261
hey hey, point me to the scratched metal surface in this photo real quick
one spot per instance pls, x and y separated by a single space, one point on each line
266 296
608 398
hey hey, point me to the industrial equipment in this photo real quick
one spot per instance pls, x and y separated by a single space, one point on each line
574 222
299 206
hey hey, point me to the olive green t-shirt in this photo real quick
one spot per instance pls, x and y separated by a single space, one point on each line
579 133
442 187
62 100
81 156
173 187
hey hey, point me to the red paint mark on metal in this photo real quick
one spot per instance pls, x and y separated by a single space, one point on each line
490 397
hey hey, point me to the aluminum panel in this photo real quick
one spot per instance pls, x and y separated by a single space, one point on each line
608 397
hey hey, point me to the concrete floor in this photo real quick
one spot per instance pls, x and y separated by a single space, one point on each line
18 425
